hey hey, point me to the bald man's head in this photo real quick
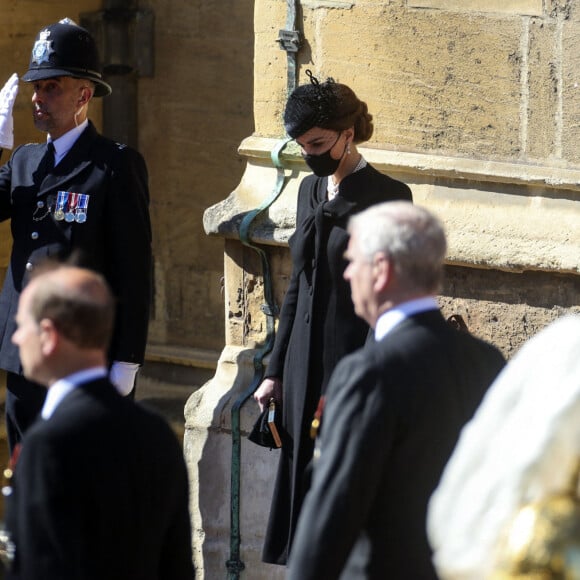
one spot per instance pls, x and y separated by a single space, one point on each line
78 301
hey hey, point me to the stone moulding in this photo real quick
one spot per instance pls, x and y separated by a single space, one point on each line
314 4
515 7
500 215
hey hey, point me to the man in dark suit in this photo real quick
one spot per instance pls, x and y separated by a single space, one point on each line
393 409
100 487
77 193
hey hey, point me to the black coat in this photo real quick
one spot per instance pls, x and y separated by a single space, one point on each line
317 328
100 491
115 239
393 413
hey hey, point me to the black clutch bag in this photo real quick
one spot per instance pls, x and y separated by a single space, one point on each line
266 430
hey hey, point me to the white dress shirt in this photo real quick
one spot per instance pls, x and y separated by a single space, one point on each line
388 320
59 390
63 144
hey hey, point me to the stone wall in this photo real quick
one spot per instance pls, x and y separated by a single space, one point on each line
194 112
476 107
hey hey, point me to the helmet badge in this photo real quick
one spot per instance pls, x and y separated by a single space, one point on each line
42 48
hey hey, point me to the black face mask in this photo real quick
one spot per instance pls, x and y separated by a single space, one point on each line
324 165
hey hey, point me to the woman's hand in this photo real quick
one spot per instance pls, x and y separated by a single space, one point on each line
268 388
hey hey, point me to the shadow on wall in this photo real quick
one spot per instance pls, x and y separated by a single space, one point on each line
211 458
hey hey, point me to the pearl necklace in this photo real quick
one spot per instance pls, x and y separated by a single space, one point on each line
332 188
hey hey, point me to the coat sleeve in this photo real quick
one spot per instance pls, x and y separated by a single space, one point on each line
5 179
355 443
129 254
288 310
277 357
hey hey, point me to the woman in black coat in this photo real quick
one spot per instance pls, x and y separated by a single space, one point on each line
317 324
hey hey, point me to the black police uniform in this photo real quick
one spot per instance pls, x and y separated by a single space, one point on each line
93 205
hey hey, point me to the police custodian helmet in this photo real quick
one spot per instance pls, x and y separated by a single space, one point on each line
65 49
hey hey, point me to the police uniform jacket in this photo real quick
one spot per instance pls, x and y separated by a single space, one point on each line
393 414
114 239
317 327
100 490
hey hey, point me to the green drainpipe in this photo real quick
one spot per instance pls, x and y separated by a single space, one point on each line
290 41
235 564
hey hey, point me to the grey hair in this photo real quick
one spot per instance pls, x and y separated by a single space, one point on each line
410 236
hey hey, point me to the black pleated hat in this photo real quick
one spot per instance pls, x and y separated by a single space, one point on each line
66 49
310 105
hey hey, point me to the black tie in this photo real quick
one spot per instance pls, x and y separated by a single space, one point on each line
49 157
46 164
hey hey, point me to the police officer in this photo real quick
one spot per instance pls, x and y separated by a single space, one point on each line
79 197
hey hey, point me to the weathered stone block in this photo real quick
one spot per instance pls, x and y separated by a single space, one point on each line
505 308
270 63
570 57
542 92
523 7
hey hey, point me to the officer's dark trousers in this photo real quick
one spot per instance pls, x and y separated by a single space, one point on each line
24 400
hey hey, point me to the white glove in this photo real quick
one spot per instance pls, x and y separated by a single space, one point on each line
122 375
7 98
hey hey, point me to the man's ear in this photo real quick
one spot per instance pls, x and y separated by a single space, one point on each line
85 96
49 336
382 271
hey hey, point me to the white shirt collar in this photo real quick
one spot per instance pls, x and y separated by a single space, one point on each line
389 319
59 390
63 144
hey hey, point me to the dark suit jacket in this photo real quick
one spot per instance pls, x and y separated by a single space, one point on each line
100 492
115 239
393 415
317 328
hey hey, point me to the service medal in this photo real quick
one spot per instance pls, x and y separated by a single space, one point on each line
61 201
69 216
82 205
